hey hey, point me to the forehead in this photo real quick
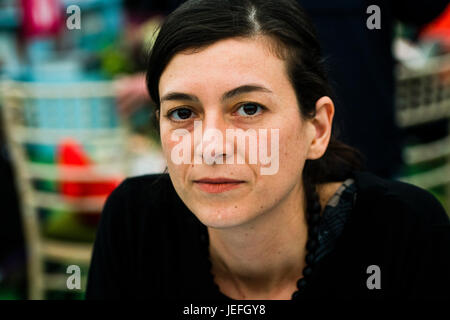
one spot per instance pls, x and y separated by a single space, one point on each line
225 63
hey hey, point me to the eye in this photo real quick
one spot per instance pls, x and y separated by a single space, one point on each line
180 114
249 109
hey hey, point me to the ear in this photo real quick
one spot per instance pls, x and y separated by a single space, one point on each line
322 124
157 111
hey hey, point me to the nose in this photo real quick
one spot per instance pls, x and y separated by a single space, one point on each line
214 120
209 138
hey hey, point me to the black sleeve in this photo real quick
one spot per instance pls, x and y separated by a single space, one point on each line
436 264
106 269
418 12
433 246
424 235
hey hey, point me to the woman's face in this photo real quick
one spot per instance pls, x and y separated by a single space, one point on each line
233 84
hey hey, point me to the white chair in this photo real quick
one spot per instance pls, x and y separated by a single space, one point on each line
37 117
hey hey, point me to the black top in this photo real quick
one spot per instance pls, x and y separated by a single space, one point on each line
149 245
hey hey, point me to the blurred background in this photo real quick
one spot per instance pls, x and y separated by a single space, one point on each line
75 117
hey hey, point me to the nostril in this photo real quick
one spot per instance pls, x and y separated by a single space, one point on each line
211 158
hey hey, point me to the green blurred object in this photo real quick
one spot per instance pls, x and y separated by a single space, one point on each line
9 294
115 60
46 185
424 166
66 225
441 194
41 153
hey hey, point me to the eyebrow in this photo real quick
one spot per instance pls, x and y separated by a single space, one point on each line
171 96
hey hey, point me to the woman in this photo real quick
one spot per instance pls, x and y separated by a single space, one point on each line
302 222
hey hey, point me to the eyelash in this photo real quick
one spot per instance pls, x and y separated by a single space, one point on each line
171 112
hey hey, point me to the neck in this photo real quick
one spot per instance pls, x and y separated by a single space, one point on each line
265 256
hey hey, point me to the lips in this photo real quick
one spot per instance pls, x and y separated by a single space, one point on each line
217 180
217 185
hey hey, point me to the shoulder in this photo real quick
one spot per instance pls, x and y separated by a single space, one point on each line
155 188
400 199
151 182
140 199
402 229
139 215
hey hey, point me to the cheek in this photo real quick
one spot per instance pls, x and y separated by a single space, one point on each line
293 147
175 170
167 144
292 156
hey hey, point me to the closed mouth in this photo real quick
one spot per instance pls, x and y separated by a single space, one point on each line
217 185
217 180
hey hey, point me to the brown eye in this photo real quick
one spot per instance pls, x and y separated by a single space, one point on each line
180 114
249 109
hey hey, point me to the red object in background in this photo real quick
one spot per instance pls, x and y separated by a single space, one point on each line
439 29
41 17
72 155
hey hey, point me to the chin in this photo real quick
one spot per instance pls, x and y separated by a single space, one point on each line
221 218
